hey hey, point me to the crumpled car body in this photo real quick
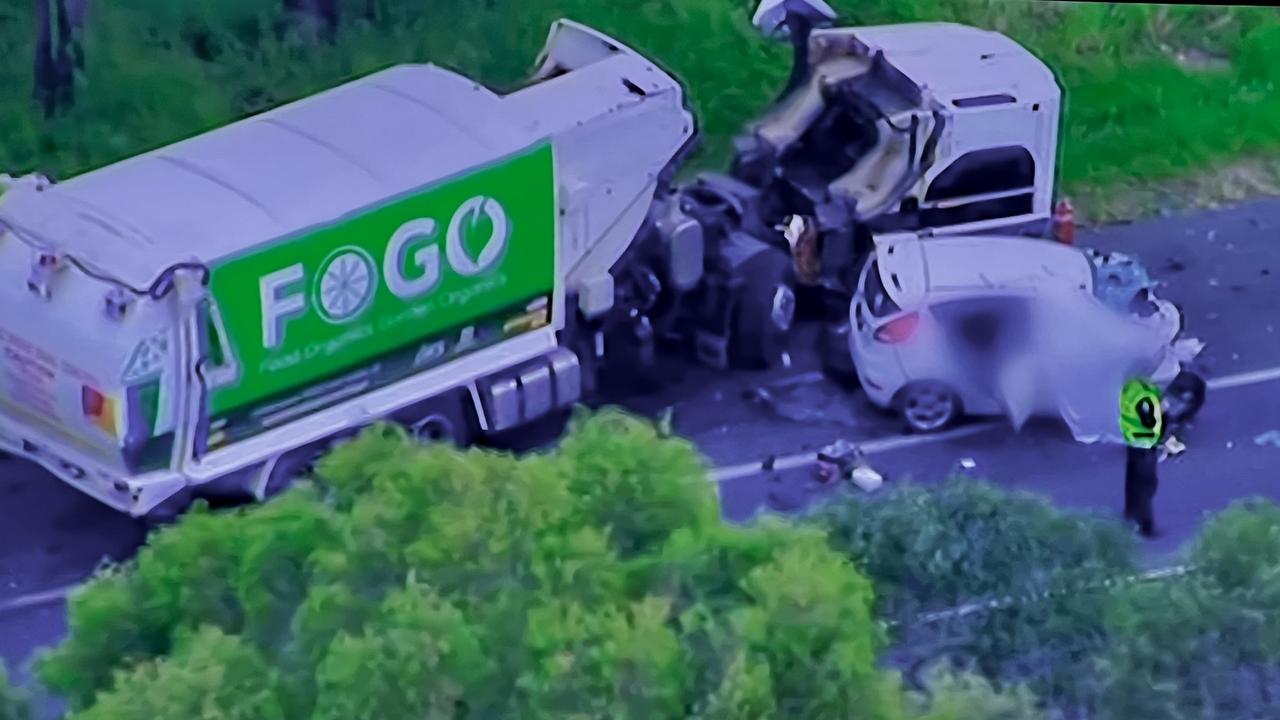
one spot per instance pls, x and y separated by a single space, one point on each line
1008 326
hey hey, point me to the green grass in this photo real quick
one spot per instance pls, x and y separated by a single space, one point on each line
1135 115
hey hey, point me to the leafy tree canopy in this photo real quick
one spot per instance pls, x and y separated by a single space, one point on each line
595 581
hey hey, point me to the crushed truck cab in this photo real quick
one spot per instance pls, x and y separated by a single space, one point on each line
935 125
404 246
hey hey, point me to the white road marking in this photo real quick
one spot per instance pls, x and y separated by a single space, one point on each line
44 597
799 460
1242 379
722 474
805 459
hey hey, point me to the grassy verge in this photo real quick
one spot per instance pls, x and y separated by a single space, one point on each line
1156 95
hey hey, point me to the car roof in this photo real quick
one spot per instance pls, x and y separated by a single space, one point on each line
956 61
916 269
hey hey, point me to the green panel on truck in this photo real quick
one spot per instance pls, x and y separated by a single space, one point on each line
385 293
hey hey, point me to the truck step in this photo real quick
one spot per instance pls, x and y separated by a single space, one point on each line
532 390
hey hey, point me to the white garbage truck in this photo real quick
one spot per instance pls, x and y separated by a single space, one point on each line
413 246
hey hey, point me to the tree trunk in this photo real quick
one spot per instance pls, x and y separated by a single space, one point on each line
77 12
59 53
45 77
63 57
322 15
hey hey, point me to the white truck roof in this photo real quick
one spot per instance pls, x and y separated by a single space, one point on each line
957 61
304 164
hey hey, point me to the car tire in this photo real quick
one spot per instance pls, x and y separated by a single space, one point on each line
765 313
1186 394
928 406
836 357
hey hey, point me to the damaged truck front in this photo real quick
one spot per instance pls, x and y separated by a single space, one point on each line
933 127
210 316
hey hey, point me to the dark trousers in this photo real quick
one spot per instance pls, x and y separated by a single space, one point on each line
1140 487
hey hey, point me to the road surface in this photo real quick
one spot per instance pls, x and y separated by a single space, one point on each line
1222 267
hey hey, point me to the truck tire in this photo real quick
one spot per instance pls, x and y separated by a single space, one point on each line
540 433
765 312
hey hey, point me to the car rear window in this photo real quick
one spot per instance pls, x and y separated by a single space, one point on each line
878 300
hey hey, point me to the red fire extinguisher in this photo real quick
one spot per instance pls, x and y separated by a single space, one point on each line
1064 222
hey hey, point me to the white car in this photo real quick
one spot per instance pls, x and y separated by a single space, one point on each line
945 326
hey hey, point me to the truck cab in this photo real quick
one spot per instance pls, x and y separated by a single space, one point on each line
933 127
921 125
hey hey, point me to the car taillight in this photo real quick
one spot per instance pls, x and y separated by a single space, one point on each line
898 329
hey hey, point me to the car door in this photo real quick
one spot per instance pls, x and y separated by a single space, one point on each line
985 340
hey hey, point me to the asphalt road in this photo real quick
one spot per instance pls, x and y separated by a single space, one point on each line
1222 267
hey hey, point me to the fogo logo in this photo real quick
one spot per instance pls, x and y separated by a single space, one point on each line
346 283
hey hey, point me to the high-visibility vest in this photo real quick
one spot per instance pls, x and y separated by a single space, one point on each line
1141 398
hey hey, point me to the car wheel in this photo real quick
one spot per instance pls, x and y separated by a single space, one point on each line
928 406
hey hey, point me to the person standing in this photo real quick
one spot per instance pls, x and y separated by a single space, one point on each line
1142 422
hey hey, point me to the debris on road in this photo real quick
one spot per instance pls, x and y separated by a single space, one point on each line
665 424
806 400
1187 349
866 477
1270 437
1171 448
968 463
844 460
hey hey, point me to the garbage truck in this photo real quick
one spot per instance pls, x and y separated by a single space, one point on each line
410 246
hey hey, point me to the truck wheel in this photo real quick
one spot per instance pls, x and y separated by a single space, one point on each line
533 435
765 314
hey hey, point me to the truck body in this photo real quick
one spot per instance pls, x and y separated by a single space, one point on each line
413 246
399 247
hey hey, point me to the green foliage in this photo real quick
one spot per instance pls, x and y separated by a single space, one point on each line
422 581
1207 645
939 547
945 545
15 704
209 676
159 71
957 695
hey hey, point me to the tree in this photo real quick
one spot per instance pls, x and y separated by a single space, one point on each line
15 704
958 695
59 53
595 581
324 15
209 676
1208 644
929 548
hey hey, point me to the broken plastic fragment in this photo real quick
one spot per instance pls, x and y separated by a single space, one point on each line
1187 349
865 477
968 463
